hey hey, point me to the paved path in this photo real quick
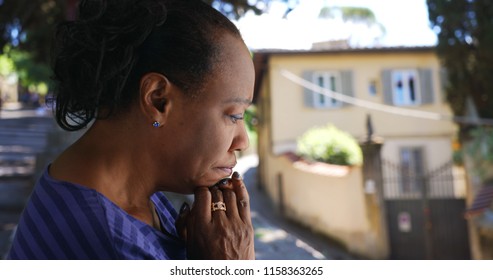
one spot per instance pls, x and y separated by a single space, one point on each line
275 237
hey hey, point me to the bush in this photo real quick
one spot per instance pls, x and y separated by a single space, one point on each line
480 150
331 145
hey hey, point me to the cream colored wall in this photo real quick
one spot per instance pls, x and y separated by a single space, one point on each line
331 205
437 150
290 118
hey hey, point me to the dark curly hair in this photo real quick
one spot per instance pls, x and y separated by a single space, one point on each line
100 57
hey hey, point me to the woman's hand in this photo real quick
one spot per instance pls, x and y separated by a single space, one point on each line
212 232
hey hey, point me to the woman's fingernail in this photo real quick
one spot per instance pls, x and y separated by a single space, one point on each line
184 208
237 175
224 182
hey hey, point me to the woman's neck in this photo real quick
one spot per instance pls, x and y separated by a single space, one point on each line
106 159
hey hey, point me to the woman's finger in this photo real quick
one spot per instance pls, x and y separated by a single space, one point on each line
202 204
242 198
181 221
230 199
218 206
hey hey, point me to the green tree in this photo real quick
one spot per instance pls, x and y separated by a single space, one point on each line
355 14
32 74
6 65
465 48
28 26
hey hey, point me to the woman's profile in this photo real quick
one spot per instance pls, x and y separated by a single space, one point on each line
163 86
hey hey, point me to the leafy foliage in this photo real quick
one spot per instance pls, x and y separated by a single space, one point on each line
30 71
250 119
28 26
481 150
6 65
237 8
331 145
355 14
465 47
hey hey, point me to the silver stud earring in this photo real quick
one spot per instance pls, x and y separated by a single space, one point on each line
156 124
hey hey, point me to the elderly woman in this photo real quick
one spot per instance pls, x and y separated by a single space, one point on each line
167 83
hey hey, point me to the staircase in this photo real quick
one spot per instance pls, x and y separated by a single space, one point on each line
27 145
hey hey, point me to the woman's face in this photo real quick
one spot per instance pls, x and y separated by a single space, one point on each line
205 133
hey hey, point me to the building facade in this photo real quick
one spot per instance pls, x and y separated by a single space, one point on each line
399 89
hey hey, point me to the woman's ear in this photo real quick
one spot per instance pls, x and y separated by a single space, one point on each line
155 101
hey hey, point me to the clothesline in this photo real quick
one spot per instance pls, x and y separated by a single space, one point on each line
382 107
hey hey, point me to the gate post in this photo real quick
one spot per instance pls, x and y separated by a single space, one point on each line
373 190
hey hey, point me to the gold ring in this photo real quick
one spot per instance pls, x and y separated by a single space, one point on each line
218 206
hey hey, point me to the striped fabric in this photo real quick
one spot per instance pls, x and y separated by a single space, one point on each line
67 221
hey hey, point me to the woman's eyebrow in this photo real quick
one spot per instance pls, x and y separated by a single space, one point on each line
238 100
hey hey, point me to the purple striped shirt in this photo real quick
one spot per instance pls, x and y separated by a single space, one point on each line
68 221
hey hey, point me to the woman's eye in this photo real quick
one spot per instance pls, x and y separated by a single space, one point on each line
235 118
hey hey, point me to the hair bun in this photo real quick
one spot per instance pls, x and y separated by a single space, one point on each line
119 22
102 43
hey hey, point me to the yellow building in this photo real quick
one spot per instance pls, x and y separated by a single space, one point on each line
400 88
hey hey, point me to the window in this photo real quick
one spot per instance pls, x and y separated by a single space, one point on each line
372 87
404 87
336 81
407 87
412 171
330 81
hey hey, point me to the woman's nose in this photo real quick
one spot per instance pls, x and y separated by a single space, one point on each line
241 141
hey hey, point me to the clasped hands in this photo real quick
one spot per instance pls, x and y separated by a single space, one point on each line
219 225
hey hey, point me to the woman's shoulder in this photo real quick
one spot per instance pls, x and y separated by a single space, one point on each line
63 221
67 197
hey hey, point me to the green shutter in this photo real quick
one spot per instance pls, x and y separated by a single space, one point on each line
347 87
307 93
426 86
387 86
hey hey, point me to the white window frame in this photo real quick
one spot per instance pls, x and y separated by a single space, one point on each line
323 101
403 95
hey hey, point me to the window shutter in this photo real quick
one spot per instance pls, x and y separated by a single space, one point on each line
387 86
426 87
347 84
307 93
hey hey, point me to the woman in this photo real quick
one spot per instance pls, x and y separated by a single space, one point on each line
167 83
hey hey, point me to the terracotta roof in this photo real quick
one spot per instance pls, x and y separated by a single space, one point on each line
344 50
482 201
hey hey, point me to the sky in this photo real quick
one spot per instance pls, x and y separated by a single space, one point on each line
405 22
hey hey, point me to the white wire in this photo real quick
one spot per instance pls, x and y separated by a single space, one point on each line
382 107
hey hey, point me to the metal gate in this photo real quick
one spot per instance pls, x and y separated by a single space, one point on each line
425 212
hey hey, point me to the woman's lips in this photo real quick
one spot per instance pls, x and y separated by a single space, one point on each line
226 170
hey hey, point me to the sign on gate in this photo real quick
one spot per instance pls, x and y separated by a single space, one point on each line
404 222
